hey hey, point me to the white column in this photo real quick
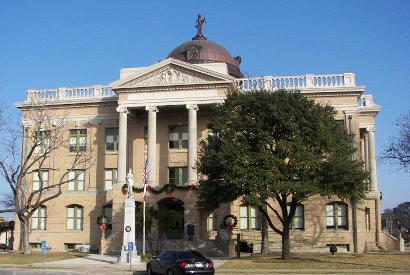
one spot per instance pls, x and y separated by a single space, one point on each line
152 144
372 159
122 146
192 143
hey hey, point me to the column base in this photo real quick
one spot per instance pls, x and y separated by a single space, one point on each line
125 258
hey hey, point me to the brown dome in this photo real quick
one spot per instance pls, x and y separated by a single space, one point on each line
200 51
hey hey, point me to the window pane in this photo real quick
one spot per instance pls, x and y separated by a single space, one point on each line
71 185
298 222
79 224
173 136
83 141
243 210
70 223
73 141
80 185
43 223
299 211
185 136
184 175
330 210
253 212
70 212
244 223
36 185
34 222
330 221
80 175
44 175
110 139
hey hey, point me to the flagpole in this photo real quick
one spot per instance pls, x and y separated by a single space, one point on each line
143 228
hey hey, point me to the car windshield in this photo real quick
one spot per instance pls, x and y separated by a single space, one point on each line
191 255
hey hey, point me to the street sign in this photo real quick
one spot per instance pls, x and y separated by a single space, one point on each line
128 228
130 246
43 247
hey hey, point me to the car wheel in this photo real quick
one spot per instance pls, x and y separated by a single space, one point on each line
149 270
169 272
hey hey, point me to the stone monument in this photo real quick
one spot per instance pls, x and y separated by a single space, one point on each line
129 225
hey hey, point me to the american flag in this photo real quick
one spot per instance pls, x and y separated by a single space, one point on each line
145 175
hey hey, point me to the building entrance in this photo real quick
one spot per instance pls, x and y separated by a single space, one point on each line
171 218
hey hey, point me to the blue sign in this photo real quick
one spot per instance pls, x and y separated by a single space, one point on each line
130 246
43 247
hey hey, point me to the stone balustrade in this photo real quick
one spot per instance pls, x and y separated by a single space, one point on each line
302 82
366 101
65 94
296 82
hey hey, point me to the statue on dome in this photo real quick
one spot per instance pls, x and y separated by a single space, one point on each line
199 23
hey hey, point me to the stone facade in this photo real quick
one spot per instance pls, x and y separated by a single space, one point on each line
144 103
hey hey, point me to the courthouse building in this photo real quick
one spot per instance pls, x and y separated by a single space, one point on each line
160 112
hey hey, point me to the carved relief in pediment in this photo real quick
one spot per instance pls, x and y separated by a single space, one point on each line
170 75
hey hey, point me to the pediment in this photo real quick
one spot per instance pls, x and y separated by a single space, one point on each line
171 72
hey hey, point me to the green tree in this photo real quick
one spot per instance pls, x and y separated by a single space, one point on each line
277 148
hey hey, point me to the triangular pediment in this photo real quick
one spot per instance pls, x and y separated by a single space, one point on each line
171 72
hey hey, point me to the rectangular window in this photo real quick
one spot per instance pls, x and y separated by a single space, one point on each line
75 217
38 219
40 179
367 218
298 221
76 180
78 140
111 139
336 216
178 137
42 139
249 218
178 175
110 178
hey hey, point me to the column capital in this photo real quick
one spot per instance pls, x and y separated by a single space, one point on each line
151 109
192 107
371 129
122 109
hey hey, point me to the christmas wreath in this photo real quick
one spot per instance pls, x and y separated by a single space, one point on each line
104 223
230 221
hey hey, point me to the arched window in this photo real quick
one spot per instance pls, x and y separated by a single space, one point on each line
211 222
38 219
75 216
337 215
298 221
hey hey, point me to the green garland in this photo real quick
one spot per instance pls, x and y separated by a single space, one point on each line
161 188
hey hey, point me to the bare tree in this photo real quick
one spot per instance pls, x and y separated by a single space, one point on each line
26 150
398 149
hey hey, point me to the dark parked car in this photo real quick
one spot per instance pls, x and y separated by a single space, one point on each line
180 262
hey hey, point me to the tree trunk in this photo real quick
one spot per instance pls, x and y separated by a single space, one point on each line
285 243
265 235
24 227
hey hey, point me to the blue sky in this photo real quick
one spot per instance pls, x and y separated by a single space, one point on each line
50 44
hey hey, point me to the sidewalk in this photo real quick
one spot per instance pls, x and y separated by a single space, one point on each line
91 264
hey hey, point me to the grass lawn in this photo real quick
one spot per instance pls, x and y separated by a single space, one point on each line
16 257
381 260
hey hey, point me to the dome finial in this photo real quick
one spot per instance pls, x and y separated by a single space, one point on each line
199 23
